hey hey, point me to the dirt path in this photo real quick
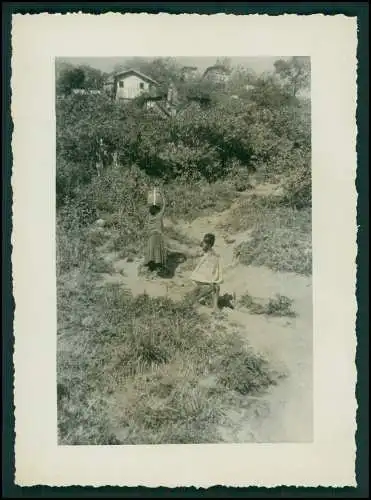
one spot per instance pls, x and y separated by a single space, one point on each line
285 413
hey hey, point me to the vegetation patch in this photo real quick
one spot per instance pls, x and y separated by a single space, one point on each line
134 367
280 305
280 235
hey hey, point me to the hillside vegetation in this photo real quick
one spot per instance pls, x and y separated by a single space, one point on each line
142 369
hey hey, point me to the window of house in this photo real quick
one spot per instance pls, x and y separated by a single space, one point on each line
141 85
121 84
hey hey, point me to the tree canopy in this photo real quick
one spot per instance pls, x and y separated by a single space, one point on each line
78 77
294 74
264 128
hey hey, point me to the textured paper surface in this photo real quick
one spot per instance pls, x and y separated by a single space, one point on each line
331 41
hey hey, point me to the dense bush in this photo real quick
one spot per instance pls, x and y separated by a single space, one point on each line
262 132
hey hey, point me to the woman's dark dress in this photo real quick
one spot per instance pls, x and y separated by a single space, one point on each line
156 251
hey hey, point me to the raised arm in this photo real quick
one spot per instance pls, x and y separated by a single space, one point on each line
163 203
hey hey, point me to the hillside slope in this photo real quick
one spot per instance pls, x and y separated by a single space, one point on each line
284 414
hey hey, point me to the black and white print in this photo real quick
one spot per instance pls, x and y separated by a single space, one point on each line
184 252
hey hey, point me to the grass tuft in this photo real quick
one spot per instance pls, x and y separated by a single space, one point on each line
130 369
280 305
280 236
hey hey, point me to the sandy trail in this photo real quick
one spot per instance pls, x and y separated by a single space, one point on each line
284 414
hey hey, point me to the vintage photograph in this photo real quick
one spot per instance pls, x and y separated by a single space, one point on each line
184 250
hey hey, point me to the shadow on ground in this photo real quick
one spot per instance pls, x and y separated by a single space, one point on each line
174 259
226 301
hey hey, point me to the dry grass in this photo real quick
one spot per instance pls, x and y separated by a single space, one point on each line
138 370
280 305
280 235
199 199
148 370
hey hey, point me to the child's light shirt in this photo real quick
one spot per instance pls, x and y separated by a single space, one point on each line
209 269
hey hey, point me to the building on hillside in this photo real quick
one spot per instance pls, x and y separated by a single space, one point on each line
216 73
129 84
188 73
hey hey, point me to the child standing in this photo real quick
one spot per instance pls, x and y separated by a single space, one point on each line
208 273
156 253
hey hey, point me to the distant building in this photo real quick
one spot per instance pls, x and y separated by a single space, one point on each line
188 72
129 84
217 73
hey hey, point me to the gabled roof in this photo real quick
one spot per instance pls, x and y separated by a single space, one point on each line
135 72
189 68
216 67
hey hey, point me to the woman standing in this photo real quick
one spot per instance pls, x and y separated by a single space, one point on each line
156 253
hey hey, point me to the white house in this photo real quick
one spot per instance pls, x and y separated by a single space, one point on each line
129 84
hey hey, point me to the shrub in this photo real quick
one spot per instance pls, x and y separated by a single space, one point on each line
280 236
298 187
199 143
277 306
242 370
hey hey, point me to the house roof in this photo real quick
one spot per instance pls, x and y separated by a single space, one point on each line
216 67
189 68
135 72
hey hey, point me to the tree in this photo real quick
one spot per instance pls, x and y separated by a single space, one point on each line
70 78
225 62
93 77
239 81
267 92
267 130
197 90
294 74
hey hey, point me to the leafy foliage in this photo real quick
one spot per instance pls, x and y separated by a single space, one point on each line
294 74
265 128
80 77
156 354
